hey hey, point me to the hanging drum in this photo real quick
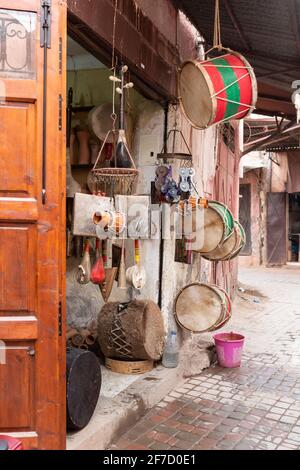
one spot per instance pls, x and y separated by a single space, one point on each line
216 225
241 241
230 248
202 307
83 387
131 331
217 90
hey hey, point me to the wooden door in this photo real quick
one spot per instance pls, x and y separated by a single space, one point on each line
32 163
276 229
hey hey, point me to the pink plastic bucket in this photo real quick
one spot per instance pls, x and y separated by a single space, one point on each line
229 349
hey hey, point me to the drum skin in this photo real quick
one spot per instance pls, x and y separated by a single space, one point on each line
83 387
226 249
229 248
202 307
217 90
217 225
198 307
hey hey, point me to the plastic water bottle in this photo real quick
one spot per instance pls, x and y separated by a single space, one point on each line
170 357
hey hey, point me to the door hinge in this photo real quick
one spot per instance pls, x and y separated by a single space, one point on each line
60 325
60 112
46 23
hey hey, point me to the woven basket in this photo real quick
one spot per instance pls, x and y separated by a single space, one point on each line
129 367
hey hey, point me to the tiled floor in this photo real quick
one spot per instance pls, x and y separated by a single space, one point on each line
254 407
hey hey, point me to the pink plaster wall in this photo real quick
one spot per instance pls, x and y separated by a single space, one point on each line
257 234
226 189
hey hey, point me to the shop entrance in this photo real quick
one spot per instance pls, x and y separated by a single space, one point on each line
94 108
294 228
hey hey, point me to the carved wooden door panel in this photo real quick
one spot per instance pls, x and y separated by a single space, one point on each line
32 172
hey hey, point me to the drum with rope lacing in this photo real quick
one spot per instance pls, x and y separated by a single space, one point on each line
214 227
217 90
202 307
231 247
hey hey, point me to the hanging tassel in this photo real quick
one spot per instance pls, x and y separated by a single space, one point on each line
84 269
98 272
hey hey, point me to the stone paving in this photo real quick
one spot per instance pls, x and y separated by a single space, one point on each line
254 407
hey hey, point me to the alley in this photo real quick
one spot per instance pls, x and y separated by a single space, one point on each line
254 407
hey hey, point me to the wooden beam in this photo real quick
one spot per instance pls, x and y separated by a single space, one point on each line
236 24
275 137
269 58
278 72
295 22
275 105
90 43
141 45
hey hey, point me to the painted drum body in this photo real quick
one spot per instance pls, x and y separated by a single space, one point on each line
242 241
217 90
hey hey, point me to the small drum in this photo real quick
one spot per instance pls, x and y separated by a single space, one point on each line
202 307
217 90
215 227
83 387
229 248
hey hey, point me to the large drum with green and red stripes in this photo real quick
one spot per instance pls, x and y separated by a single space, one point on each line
217 90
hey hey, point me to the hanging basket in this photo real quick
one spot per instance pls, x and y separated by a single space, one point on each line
113 181
168 156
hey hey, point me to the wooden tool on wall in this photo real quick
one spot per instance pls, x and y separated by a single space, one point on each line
122 284
136 275
84 269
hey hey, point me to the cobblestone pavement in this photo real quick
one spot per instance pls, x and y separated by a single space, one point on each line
254 407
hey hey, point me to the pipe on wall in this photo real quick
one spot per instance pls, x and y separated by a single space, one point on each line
161 250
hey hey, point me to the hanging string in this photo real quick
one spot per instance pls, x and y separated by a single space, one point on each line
114 35
114 115
217 41
114 67
217 28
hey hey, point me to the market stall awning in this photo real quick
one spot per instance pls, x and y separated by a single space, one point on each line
266 33
271 134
